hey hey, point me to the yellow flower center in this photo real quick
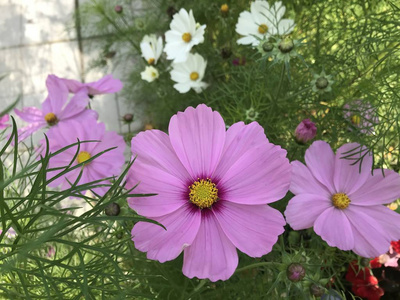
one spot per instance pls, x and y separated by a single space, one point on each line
356 119
151 61
187 37
83 156
194 76
340 200
224 8
262 29
203 193
51 119
153 74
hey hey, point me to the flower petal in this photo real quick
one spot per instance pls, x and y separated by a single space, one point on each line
260 176
211 255
30 115
370 239
162 244
105 85
334 228
305 204
348 177
378 189
76 105
158 170
253 229
303 182
58 95
320 160
198 136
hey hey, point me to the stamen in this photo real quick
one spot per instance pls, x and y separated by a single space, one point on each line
203 193
194 76
356 119
51 119
187 37
151 61
340 200
83 156
263 28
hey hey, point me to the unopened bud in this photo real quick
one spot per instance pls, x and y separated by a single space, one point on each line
295 272
317 290
305 131
118 9
286 45
128 118
321 83
112 209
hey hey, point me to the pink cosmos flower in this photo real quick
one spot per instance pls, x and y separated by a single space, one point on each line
305 131
3 121
362 115
106 85
107 165
343 200
212 187
55 109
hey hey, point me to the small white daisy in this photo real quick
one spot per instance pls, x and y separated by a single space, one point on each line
189 74
184 34
151 48
150 74
262 22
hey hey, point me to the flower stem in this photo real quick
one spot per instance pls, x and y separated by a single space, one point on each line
260 264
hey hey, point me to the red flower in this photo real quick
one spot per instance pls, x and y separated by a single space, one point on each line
364 284
375 263
396 246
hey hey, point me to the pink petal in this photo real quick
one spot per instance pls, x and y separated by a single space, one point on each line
303 182
378 189
302 205
198 136
211 255
72 85
320 160
370 239
105 85
27 131
389 220
334 228
158 170
58 95
240 138
260 176
163 245
30 115
253 229
75 106
348 177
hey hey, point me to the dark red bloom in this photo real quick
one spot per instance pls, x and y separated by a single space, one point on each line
364 284
375 263
396 246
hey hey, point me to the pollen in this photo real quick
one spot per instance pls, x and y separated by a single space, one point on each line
203 193
263 28
194 76
83 156
151 61
51 119
340 200
224 8
356 119
187 37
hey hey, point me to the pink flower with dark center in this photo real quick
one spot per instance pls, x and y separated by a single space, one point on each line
343 201
305 131
55 109
212 187
106 165
106 85
4 121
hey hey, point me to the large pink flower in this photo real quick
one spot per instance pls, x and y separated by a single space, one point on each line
343 200
55 109
106 165
212 189
105 85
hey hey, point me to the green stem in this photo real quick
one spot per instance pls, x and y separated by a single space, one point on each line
260 264
280 82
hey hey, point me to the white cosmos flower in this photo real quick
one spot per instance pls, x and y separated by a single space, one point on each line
261 22
184 34
151 48
189 74
150 74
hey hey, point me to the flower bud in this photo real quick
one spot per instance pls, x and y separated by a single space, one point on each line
267 47
317 290
305 131
224 9
295 272
112 209
128 118
321 83
118 9
286 45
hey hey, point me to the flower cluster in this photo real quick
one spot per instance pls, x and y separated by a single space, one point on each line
70 121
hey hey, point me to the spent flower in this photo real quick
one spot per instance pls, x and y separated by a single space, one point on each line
150 74
151 48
